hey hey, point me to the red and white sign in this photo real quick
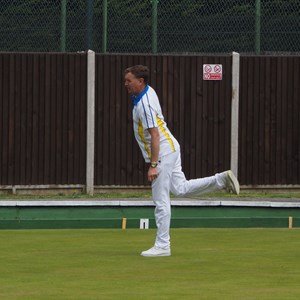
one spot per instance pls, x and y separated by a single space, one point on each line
212 72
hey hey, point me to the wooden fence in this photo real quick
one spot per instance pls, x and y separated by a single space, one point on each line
269 136
197 112
43 118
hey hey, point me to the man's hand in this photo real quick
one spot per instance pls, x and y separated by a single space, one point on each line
152 173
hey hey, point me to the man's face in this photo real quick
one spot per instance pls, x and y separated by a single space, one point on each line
133 85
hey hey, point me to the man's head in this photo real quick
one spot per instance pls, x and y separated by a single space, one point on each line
136 78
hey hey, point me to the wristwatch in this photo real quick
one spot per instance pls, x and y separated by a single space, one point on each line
153 164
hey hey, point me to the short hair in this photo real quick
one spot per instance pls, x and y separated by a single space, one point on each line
139 71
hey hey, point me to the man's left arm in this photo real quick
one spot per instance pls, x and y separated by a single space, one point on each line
155 146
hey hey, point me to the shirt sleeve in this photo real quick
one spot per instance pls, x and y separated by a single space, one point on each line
148 113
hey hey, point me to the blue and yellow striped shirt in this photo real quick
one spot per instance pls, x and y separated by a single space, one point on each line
147 113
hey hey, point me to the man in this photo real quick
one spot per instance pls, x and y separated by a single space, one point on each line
161 150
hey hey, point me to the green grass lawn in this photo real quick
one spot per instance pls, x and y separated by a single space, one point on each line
105 264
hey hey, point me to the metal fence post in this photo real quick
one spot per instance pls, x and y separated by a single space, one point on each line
90 151
89 24
257 26
63 16
104 25
154 26
235 113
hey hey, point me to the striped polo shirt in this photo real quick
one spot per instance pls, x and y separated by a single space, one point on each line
147 113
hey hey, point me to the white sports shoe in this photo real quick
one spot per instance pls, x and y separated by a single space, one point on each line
231 183
156 251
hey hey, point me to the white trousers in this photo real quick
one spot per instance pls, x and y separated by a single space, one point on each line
172 179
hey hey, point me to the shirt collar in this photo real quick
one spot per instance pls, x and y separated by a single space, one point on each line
137 98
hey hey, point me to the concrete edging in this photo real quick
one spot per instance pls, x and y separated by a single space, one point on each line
141 203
